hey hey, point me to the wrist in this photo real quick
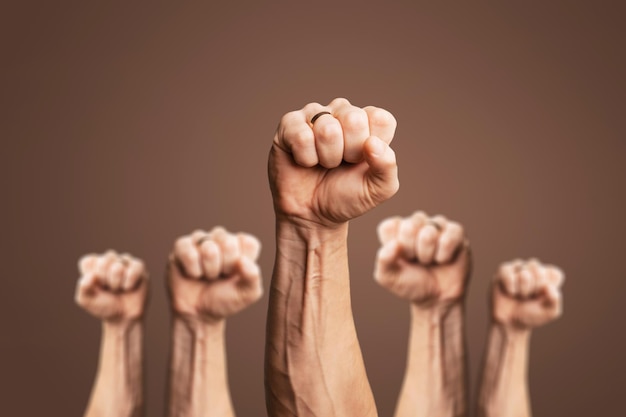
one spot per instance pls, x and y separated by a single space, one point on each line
122 325
200 327
512 334
437 310
311 233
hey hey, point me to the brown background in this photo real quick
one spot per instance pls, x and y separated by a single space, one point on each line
126 126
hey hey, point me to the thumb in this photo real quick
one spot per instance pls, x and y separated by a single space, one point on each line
386 263
250 278
382 175
86 288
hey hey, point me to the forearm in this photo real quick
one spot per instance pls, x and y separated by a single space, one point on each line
435 382
198 381
314 365
118 389
504 389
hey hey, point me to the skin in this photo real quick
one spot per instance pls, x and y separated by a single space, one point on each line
114 289
210 276
426 261
321 175
524 295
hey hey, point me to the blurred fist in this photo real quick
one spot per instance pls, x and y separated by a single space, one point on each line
334 168
527 294
214 275
423 259
112 287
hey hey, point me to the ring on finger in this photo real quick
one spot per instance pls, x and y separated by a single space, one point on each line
318 115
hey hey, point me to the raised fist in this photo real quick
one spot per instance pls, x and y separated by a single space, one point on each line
112 287
527 294
330 164
214 275
425 260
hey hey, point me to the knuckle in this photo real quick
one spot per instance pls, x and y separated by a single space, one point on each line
446 244
85 261
302 138
457 229
188 256
290 118
210 249
340 101
355 120
428 235
179 243
382 279
328 131
310 107
381 117
139 265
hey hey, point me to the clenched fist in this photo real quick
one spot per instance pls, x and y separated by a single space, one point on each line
423 259
334 168
112 287
214 275
527 294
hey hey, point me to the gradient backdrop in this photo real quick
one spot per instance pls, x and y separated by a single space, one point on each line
125 126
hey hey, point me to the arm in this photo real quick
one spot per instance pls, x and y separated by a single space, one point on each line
427 262
210 277
113 288
322 174
524 295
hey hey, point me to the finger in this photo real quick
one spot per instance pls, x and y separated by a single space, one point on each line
188 258
387 263
294 135
134 274
86 287
198 235
426 244
407 237
211 259
115 275
250 277
218 233
420 218
382 124
328 141
311 110
229 248
507 279
102 265
517 264
539 275
388 229
355 128
439 221
525 283
553 296
382 175
250 246
450 240
555 276
87 263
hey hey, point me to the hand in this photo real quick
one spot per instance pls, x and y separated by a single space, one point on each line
527 294
214 275
336 169
112 287
424 260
